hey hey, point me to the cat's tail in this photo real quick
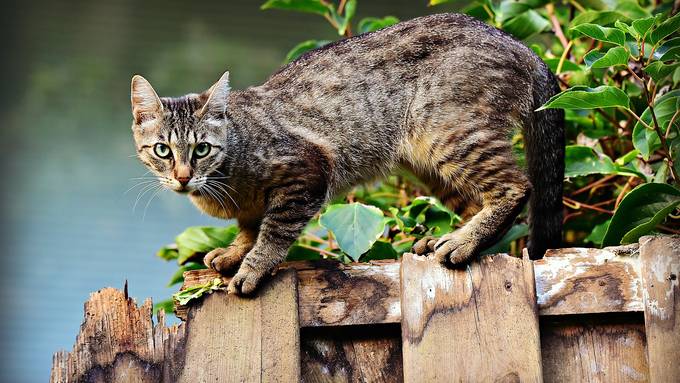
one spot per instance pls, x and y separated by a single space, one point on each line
544 148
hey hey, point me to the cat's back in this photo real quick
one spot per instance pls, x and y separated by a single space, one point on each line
421 41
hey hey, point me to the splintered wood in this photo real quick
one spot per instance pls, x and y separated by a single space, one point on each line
476 324
119 343
660 276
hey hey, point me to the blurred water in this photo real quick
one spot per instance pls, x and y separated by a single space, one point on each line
67 227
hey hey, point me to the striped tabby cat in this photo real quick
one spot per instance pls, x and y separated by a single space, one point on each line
439 95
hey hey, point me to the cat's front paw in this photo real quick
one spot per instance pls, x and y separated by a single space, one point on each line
245 281
224 259
453 249
424 246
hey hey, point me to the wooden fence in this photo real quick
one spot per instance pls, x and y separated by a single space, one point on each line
578 315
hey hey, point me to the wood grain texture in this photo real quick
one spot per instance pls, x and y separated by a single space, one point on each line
235 339
582 281
599 348
478 324
119 343
352 354
661 290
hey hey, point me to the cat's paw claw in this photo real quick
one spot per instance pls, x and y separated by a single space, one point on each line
223 259
245 282
424 246
452 251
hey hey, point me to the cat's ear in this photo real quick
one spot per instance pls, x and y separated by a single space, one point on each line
146 105
217 98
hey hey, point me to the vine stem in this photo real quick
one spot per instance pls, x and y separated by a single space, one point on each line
563 58
577 205
550 8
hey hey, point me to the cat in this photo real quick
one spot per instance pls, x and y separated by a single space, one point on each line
440 96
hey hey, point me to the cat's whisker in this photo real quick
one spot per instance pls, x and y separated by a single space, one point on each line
217 185
216 197
158 190
141 194
139 184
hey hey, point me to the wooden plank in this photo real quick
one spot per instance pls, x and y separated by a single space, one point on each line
583 281
119 343
568 281
352 354
595 348
230 338
660 258
477 324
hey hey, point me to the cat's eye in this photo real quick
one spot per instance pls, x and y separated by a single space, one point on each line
202 149
162 150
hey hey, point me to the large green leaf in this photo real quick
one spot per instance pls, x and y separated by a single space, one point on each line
646 140
670 50
380 250
198 240
355 226
597 32
304 47
611 57
581 97
583 160
526 25
503 244
598 17
371 24
309 6
658 70
640 211
665 29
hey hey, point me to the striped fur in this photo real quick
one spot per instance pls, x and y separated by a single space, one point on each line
439 95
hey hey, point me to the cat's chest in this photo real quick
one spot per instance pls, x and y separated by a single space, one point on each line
213 207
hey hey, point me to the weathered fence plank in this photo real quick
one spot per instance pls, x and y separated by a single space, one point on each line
660 258
119 343
234 339
352 354
596 348
478 324
584 281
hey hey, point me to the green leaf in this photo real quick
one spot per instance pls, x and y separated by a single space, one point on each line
178 276
598 17
304 47
308 6
642 26
610 35
640 211
437 2
526 25
658 70
380 250
440 218
646 140
503 245
665 29
197 291
581 97
567 66
299 253
168 253
597 235
372 24
198 240
612 57
350 10
670 50
582 161
355 226
168 306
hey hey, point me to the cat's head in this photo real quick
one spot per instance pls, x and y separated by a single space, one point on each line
181 140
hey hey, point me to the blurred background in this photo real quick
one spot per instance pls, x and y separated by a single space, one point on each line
68 226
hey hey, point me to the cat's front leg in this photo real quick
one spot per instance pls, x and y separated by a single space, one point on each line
289 210
227 259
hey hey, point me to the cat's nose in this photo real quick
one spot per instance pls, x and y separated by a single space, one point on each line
183 180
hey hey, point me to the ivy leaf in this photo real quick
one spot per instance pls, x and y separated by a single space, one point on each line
646 140
356 226
526 25
197 291
582 161
612 57
198 240
380 250
581 97
304 47
664 29
372 24
610 35
640 211
308 6
350 10
503 245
